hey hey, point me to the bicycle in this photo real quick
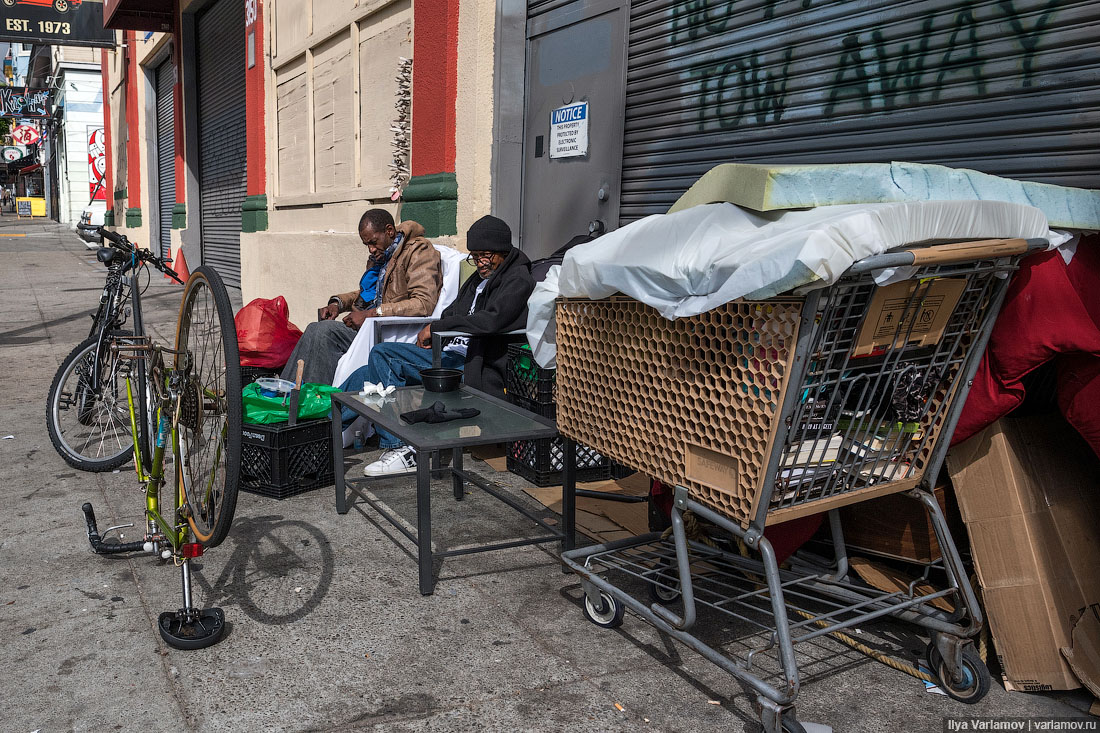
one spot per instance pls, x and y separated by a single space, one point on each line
195 393
85 409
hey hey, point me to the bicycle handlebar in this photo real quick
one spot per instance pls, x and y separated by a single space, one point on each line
143 255
97 542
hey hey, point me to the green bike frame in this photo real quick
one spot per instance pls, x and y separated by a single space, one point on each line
175 534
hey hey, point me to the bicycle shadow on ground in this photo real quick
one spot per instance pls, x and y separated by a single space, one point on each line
279 570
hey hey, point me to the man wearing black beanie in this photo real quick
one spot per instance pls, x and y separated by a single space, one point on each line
491 302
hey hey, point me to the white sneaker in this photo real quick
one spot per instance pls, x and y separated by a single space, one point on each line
394 462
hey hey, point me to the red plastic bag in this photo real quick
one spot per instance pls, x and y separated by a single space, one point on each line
265 335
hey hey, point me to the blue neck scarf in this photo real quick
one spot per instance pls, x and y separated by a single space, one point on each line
370 285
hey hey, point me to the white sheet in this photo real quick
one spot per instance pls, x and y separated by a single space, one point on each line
694 260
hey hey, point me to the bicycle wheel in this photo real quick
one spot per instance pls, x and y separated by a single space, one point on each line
209 438
89 428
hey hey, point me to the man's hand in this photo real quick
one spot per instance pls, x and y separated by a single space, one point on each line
424 338
355 318
330 311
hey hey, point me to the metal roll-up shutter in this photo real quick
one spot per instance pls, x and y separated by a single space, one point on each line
1008 87
222 173
166 153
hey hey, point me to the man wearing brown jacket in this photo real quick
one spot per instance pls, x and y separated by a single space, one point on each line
403 278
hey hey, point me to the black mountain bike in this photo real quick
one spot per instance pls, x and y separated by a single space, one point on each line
86 411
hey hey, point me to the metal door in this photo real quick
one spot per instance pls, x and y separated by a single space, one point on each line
222 173
575 54
1007 87
165 80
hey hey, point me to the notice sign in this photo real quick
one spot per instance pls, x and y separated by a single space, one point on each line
569 131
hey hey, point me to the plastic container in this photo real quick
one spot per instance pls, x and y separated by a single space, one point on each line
274 387
541 462
529 385
441 380
282 460
250 374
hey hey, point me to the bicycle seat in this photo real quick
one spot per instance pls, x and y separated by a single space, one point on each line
106 254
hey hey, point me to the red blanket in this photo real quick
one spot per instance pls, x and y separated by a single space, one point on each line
1051 312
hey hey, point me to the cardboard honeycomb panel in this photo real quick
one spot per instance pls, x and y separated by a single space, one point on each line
691 402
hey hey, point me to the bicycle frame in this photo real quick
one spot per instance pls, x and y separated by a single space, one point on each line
152 478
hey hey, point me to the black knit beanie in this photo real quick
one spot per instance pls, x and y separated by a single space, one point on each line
489 234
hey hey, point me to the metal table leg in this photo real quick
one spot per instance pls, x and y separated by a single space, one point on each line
456 478
568 494
424 523
338 460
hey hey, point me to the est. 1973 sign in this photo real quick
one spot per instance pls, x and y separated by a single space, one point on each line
61 22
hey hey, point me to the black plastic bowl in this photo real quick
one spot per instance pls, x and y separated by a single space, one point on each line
441 380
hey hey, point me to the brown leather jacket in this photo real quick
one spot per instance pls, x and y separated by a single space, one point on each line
413 279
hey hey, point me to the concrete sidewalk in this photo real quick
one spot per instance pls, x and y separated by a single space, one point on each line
327 630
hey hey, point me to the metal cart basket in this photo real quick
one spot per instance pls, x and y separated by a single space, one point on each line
763 411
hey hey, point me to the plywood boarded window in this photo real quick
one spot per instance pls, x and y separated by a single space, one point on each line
334 78
333 123
293 128
382 43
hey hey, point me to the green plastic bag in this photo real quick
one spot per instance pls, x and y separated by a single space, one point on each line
313 402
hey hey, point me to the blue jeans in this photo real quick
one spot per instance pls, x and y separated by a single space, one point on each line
398 365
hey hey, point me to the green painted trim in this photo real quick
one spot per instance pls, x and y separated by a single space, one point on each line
179 216
438 218
120 194
133 217
254 213
432 200
109 218
431 187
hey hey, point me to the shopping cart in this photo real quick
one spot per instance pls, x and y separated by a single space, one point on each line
761 412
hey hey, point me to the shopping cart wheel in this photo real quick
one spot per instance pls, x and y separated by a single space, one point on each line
664 584
608 615
790 725
974 680
660 592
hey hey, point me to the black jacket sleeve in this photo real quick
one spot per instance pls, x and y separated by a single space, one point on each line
505 307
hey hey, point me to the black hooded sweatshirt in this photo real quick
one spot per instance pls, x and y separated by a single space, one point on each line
501 308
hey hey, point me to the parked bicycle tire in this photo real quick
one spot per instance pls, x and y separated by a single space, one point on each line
210 424
92 431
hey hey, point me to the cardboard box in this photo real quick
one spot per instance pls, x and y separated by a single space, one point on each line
1029 493
897 526
894 314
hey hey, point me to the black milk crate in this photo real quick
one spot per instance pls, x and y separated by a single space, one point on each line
619 470
250 374
280 461
529 385
541 462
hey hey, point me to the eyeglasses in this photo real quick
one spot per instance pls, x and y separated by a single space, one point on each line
475 257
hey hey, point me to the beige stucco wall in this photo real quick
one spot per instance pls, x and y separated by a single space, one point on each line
474 112
146 50
326 153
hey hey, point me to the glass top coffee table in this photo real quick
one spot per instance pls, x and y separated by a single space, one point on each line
499 422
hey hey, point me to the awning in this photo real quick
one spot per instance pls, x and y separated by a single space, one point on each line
30 169
138 15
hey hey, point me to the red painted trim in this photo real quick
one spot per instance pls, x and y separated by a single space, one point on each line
133 146
435 47
109 175
255 106
177 106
